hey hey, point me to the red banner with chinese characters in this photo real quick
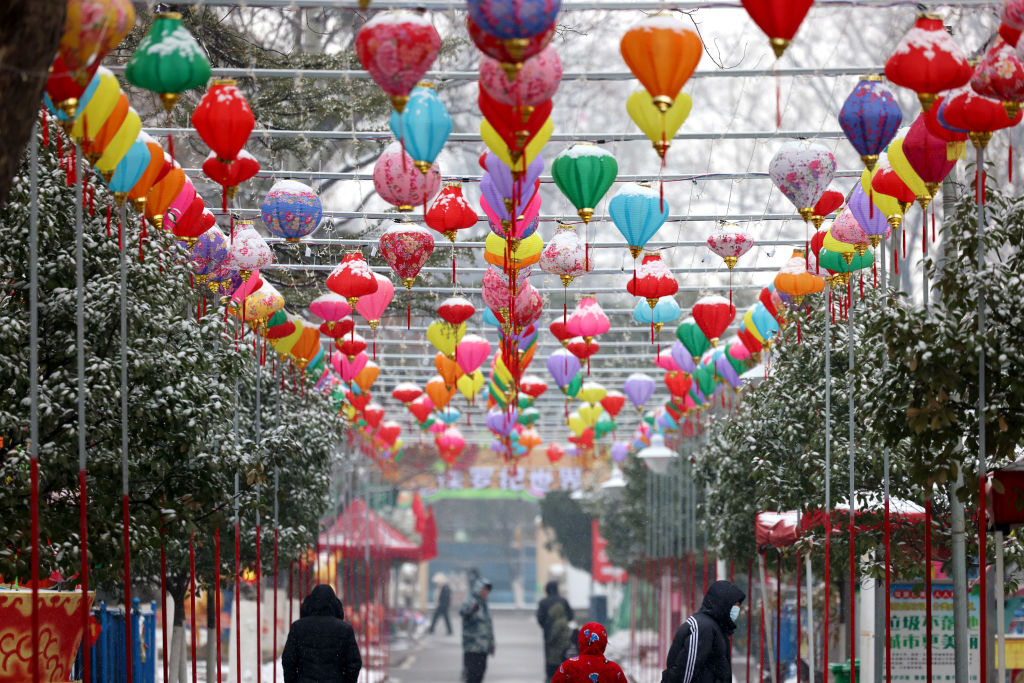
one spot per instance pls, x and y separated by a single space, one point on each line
60 634
601 568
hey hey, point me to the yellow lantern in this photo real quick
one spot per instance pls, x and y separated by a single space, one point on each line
592 393
526 253
263 303
900 164
842 248
470 385
119 144
90 118
496 144
576 424
589 414
659 128
445 337
284 345
502 373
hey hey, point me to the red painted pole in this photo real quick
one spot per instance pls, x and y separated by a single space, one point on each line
928 589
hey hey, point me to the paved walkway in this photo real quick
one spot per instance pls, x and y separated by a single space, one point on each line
437 658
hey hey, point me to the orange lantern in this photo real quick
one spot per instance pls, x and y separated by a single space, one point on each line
793 279
162 194
440 394
367 376
137 195
662 54
307 345
448 369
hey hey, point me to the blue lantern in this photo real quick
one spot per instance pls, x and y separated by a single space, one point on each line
490 318
513 19
291 210
424 125
638 211
870 118
449 415
665 311
128 171
764 322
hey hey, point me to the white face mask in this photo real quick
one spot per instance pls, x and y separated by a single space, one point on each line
734 612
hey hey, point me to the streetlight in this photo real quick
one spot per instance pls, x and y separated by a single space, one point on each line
657 455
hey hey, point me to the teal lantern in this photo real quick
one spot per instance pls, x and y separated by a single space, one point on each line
638 211
168 60
583 173
665 311
128 171
424 126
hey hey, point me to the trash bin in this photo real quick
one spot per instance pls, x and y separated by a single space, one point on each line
841 671
599 608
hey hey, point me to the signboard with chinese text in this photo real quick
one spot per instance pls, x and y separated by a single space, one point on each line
601 568
907 632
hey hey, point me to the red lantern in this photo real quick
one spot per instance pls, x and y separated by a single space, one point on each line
713 315
359 402
232 174
280 331
779 20
450 212
352 278
516 125
336 329
397 48
559 332
927 154
495 47
456 310
389 432
1000 76
678 383
193 222
887 181
351 345
613 402
978 115
581 348
532 386
406 248
373 414
831 200
928 61
223 119
406 392
653 280
554 453
421 408
749 341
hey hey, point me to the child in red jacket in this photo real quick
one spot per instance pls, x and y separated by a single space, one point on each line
591 666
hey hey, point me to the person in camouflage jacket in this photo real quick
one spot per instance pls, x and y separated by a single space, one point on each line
477 632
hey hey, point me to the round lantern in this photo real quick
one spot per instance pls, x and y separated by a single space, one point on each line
129 170
583 173
638 211
802 171
905 170
248 250
64 90
512 56
665 311
406 248
456 310
846 229
397 48
1000 76
514 21
162 194
653 280
662 53
224 119
979 116
536 83
423 126
399 182
927 60
928 156
189 223
291 210
168 60
565 255
231 174
793 278
779 20
730 243
352 278
870 118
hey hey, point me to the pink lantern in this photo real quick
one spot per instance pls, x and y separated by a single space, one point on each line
248 250
471 353
1000 76
846 229
537 81
495 290
372 306
179 205
330 307
802 171
450 443
348 368
516 229
397 48
399 182
587 320
406 247
730 242
529 306
665 361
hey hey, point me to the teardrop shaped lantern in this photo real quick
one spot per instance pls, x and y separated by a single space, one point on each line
659 127
730 242
168 60
399 182
662 53
406 248
779 20
870 118
352 278
802 171
397 48
423 126
584 173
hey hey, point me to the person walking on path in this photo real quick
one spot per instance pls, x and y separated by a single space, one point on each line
321 645
700 648
554 615
477 632
590 666
444 601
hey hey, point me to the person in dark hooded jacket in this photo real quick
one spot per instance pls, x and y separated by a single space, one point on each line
590 666
554 615
321 645
700 649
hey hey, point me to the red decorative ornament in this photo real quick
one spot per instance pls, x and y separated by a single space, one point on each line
554 453
406 248
351 345
223 119
979 116
456 310
495 47
389 432
533 386
927 154
280 331
406 392
830 201
887 181
193 222
1000 76
613 402
678 383
516 125
352 278
713 315
336 329
928 61
450 212
359 402
421 408
559 332
397 48
231 175
373 414
779 20
653 279
64 90
581 348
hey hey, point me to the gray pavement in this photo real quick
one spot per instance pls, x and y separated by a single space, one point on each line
437 658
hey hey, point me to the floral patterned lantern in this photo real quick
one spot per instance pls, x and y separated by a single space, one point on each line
352 278
291 210
514 21
398 182
652 280
168 60
512 57
846 229
928 61
565 255
730 242
92 28
1000 76
248 250
406 248
870 118
802 171
536 83
208 253
397 48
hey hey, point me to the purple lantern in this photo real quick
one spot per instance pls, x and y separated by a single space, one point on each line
638 388
563 366
620 449
870 118
682 357
871 219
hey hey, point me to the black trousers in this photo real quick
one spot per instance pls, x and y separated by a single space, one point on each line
438 613
550 670
474 664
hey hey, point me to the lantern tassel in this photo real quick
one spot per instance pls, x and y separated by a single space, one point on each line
933 224
143 237
46 130
408 319
1009 163
108 219
120 243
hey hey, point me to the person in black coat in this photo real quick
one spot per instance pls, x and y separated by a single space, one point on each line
554 615
444 602
700 648
321 645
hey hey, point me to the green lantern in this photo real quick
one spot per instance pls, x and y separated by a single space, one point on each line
704 376
604 426
528 416
835 262
583 173
574 386
279 318
525 401
690 334
168 60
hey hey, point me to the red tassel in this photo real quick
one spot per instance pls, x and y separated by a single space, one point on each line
862 284
874 274
60 146
896 260
933 224
1009 165
170 145
984 183
903 235
798 330
108 219
806 256
408 321
143 237
120 233
92 197
46 130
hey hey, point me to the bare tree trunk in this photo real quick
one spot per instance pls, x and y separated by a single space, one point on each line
177 673
30 32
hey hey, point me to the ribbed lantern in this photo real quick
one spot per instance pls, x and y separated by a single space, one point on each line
224 119
450 212
638 211
168 60
662 53
713 315
653 279
423 126
870 118
779 20
928 61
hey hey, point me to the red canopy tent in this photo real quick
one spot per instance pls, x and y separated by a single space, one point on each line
782 529
358 526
